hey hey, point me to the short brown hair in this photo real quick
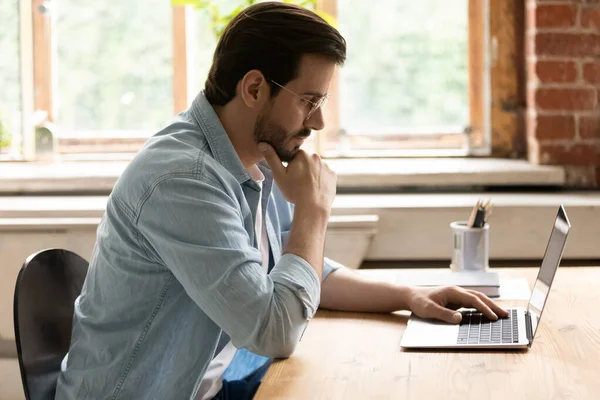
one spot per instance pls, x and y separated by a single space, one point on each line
270 37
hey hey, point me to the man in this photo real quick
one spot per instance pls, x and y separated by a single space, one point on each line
201 252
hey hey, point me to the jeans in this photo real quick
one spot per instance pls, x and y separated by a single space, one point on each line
243 377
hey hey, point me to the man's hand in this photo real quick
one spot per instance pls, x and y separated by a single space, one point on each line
308 183
307 180
442 303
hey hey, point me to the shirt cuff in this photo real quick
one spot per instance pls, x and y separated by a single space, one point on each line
329 266
301 279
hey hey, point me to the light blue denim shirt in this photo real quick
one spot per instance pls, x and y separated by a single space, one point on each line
176 272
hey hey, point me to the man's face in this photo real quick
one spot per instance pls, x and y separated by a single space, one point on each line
283 122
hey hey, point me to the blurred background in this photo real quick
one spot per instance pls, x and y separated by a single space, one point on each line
440 104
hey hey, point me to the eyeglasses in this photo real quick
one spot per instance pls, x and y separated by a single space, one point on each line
314 105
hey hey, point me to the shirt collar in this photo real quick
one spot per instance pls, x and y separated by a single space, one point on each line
220 145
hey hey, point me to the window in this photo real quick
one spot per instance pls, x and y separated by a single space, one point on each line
413 83
404 76
113 66
10 79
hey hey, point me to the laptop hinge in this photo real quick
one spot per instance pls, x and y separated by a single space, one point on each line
528 328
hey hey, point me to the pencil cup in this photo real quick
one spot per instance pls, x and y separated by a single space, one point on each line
470 248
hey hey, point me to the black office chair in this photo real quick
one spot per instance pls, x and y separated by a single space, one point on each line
45 292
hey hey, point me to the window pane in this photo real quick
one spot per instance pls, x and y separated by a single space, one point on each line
113 65
10 76
203 39
202 47
407 67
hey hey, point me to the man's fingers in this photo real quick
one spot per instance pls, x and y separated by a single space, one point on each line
468 299
501 312
272 159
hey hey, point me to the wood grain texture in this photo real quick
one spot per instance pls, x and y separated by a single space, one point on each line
327 140
358 356
180 101
507 29
476 70
42 59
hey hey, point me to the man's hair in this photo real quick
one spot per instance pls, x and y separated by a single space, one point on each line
270 37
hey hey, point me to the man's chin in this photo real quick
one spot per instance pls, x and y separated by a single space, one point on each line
287 156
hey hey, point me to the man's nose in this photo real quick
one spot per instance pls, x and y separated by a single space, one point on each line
316 121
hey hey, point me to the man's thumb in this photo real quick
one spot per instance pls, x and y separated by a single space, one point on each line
447 315
272 159
263 147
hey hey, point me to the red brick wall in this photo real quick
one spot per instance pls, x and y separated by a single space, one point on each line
563 87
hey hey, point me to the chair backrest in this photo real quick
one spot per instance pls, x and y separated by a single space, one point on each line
45 292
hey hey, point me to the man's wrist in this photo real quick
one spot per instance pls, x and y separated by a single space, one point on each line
312 208
405 296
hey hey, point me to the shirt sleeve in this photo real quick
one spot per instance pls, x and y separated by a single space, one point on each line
285 211
197 231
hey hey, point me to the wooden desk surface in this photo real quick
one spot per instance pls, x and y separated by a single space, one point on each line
358 356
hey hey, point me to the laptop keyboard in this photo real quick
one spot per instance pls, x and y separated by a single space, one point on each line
475 328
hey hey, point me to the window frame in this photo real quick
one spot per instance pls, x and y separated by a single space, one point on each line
479 94
28 74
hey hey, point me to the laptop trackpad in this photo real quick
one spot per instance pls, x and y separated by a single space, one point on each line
429 333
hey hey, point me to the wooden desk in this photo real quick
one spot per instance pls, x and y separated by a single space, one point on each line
358 356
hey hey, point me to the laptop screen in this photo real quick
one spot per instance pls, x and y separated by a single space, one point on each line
552 256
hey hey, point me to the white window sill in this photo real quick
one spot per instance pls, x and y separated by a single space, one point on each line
385 173
407 226
353 174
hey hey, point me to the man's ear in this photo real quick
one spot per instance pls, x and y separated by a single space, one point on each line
255 89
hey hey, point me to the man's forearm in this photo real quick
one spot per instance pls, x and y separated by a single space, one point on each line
346 290
307 236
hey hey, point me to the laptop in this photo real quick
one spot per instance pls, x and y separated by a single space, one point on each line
517 331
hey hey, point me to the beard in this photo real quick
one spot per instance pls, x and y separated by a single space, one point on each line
269 132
